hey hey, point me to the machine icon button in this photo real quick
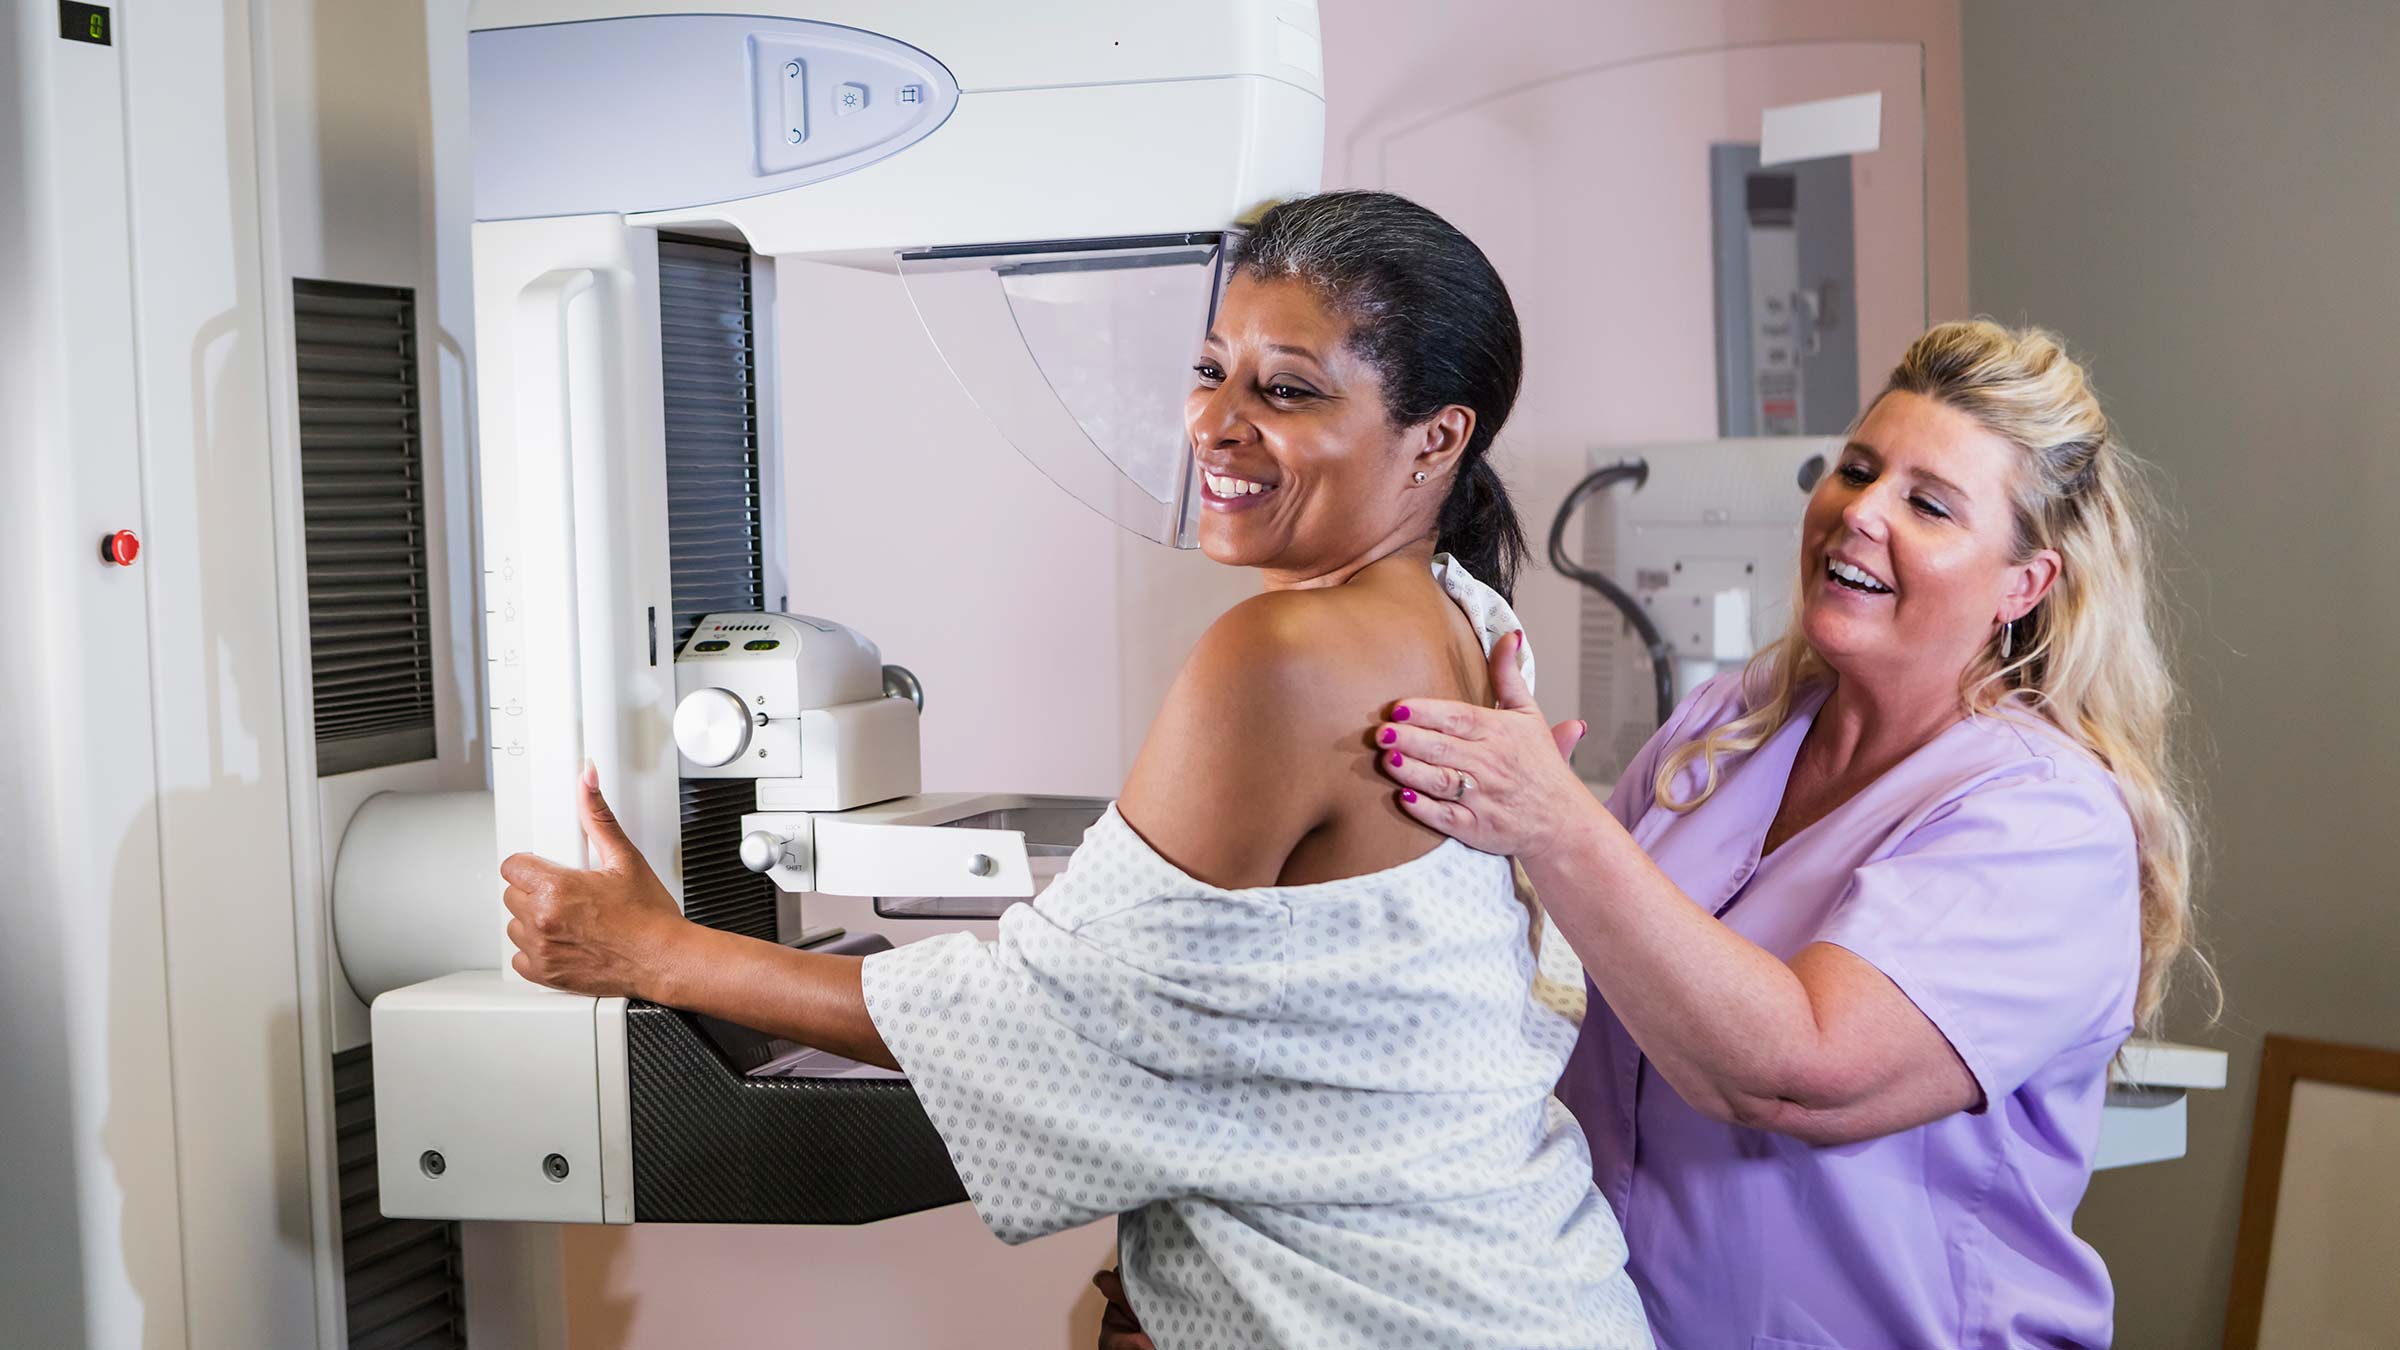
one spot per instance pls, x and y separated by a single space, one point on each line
850 98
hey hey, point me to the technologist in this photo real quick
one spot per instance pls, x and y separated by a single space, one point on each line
1865 924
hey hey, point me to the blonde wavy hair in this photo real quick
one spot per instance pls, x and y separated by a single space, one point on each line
2089 658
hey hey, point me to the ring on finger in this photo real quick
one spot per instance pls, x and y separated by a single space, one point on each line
1466 782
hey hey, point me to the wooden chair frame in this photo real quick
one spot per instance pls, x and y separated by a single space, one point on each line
2285 1062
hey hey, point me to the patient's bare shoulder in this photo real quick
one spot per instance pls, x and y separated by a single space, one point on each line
1261 728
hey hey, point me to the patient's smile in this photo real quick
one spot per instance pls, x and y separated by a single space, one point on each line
1225 492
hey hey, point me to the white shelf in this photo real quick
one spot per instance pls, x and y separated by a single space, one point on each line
2164 1064
2146 1116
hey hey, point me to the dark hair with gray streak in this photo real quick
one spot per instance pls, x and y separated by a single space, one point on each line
1429 313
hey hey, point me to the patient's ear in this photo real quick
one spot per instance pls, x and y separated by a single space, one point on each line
1436 443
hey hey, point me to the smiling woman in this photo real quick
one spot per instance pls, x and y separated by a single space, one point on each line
1354 315
1295 1025
1866 922
2038 568
1342 412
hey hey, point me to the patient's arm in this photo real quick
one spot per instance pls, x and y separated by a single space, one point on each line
809 997
1237 771
613 931
1242 761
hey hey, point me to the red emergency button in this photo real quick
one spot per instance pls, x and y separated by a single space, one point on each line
120 548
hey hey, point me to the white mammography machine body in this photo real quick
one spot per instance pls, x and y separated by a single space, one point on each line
1014 168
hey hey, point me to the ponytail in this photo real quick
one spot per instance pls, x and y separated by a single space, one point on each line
1479 527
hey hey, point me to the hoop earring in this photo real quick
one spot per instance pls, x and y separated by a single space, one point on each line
1420 475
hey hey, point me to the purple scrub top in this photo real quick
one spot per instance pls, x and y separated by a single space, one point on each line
1992 876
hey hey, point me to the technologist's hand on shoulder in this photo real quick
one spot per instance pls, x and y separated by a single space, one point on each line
1496 779
1118 1328
608 930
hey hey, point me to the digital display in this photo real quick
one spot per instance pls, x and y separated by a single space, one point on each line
84 23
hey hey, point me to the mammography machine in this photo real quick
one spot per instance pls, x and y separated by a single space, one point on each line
1006 165
239 257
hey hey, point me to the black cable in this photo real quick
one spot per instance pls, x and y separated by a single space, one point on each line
1662 661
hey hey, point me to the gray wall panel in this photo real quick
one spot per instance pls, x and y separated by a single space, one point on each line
2204 197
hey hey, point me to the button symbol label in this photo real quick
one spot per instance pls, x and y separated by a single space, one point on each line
848 99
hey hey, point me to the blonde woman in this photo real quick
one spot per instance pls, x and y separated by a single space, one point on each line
1865 923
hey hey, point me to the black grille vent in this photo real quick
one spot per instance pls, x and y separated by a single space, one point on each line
714 533
402 1279
362 476
716 544
717 890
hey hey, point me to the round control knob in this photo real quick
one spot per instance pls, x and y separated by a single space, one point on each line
761 851
901 682
711 727
120 547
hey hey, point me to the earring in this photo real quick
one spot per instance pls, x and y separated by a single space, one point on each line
2008 638
1420 475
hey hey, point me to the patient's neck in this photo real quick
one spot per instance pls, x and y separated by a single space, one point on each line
1413 557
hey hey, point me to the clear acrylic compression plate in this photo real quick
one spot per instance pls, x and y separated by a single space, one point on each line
1080 353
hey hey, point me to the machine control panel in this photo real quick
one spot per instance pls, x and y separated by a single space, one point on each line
656 112
794 699
825 93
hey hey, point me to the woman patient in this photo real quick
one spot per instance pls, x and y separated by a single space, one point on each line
1279 1029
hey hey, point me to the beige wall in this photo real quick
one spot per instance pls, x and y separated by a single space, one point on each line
2205 197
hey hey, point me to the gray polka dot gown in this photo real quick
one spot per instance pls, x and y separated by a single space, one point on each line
1321 1114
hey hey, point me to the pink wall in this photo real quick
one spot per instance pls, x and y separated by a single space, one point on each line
1388 64
1569 140
1046 636
1604 240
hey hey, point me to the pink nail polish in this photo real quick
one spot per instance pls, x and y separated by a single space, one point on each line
1400 714
1407 796
1395 759
1390 735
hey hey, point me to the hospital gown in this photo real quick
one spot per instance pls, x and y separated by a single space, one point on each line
1322 1114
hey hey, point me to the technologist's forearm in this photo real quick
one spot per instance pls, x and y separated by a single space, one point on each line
1729 1025
810 997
